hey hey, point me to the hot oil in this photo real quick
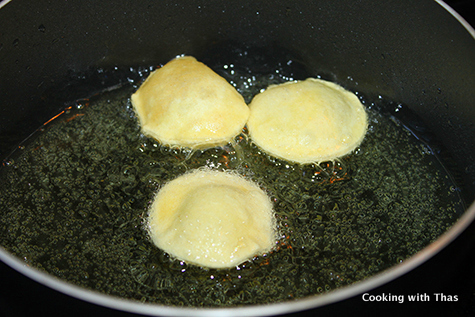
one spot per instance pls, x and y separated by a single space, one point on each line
75 198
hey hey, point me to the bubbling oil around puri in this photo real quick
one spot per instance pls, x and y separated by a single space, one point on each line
75 198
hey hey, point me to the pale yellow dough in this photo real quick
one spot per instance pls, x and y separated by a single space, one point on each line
186 104
212 219
307 121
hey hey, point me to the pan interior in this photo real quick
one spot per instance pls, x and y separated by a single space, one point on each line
75 198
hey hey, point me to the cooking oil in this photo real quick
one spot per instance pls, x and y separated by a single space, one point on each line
74 201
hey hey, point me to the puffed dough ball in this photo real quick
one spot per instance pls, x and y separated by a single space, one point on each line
307 121
212 219
186 104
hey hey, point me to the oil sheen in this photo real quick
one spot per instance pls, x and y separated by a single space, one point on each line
74 202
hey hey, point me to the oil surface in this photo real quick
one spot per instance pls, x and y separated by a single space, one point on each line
74 202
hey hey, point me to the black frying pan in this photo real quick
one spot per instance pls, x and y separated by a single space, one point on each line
415 53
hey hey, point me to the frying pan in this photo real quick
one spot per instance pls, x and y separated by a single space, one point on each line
417 53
